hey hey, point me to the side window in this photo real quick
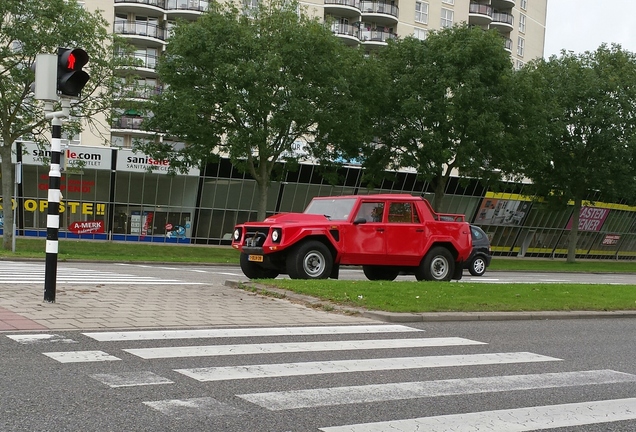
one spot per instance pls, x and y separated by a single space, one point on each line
371 211
401 212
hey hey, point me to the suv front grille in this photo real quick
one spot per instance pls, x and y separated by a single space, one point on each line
255 237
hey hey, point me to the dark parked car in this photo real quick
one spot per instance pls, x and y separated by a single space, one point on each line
481 255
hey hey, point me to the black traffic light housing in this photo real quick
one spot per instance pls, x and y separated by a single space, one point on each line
71 79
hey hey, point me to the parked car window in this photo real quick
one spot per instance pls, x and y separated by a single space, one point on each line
371 211
401 212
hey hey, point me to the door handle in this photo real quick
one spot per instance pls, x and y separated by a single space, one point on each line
419 230
380 229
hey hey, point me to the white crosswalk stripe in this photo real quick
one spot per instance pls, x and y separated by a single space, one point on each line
511 420
345 357
28 273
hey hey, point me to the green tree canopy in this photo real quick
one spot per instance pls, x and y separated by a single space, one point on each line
31 27
579 136
443 106
259 86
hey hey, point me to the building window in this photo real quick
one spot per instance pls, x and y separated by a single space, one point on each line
421 12
523 4
522 23
450 2
519 64
419 33
521 42
447 18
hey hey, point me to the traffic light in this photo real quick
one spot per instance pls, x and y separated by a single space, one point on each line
71 79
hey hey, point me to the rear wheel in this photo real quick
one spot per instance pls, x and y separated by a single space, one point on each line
380 272
437 265
310 260
254 270
477 266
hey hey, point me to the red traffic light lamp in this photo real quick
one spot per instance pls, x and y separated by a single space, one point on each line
71 79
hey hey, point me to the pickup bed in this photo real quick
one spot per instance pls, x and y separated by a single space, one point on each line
386 234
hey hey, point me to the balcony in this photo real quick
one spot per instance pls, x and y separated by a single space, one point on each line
502 4
140 7
349 34
379 12
187 9
479 14
376 37
343 8
127 123
502 21
508 44
140 31
141 62
138 92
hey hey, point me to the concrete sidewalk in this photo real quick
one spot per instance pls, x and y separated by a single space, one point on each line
97 307
137 306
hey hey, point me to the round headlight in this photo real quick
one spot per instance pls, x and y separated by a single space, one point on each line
237 234
275 235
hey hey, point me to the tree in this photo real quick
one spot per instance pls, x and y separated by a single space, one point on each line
579 139
31 27
445 103
251 85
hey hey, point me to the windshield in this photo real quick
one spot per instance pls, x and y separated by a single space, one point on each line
334 209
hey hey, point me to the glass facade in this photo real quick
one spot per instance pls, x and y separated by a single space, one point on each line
114 193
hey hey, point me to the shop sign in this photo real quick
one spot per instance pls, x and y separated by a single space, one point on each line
130 161
73 156
73 207
590 219
87 227
611 239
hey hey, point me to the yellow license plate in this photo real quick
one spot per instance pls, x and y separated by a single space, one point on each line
257 258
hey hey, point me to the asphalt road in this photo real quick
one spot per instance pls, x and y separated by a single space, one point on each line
450 376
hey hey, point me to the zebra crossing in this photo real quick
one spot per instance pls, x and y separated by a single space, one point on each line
352 341
33 273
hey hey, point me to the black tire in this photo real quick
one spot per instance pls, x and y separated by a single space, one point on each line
310 260
477 266
437 265
380 272
254 270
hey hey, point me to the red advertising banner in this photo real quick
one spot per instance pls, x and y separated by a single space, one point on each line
87 227
590 219
611 239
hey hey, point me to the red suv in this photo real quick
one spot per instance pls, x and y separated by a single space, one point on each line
387 234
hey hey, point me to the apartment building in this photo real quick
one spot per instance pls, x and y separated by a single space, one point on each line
371 23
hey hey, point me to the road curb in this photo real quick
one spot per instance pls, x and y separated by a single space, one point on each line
396 317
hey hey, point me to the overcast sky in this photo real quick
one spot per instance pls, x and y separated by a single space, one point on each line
582 25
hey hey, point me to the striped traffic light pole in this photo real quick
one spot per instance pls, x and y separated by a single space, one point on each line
53 215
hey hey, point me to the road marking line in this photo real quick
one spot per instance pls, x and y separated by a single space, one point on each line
357 365
80 356
278 401
511 420
246 332
195 407
37 338
131 379
269 348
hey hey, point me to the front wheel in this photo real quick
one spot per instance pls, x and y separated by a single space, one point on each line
437 265
310 260
477 266
254 270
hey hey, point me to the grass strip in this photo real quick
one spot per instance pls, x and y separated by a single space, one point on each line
407 296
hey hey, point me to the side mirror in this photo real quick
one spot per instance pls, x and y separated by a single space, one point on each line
359 220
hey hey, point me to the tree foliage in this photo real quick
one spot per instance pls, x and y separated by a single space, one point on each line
252 85
31 27
444 106
579 137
